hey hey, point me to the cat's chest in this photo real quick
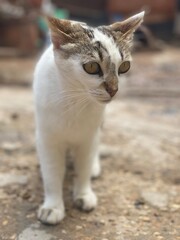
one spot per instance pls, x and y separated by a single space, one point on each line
78 122
80 117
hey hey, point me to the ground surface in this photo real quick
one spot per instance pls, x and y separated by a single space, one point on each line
139 189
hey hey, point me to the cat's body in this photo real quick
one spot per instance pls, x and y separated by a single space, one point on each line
74 80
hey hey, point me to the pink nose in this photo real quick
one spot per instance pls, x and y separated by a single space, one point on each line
111 90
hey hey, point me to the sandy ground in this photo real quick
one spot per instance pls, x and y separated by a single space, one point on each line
139 189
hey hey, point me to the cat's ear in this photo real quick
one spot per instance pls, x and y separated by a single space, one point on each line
128 26
62 31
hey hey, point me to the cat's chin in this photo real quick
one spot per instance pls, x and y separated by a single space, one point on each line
105 101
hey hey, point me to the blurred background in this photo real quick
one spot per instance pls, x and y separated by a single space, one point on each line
24 32
140 147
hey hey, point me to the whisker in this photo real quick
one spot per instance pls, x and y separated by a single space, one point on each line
66 97
86 103
69 107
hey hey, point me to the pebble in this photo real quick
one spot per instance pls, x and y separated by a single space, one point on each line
160 237
159 200
144 219
10 178
14 115
36 234
31 215
5 222
64 231
102 222
11 147
156 234
175 207
13 237
26 194
111 220
78 227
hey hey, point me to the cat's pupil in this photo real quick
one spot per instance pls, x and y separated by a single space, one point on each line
93 67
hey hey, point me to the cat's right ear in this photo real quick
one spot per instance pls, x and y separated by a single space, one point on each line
60 31
128 26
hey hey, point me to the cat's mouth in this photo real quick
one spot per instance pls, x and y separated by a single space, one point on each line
100 96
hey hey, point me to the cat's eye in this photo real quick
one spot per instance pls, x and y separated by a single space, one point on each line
92 68
124 67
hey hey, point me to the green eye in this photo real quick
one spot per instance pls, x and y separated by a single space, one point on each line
92 68
124 67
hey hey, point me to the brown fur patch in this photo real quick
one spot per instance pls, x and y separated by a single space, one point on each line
65 31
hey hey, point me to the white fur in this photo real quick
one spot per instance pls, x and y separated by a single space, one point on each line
68 115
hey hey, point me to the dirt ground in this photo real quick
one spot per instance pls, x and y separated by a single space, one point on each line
139 189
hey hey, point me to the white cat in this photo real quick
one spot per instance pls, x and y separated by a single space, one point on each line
74 80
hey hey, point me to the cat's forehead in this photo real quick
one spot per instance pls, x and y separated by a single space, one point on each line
91 44
108 44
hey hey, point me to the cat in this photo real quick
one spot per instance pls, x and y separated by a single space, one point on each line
73 82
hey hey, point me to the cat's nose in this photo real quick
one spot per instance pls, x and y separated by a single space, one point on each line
112 90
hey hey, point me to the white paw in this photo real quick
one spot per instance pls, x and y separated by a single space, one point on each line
96 169
50 215
86 202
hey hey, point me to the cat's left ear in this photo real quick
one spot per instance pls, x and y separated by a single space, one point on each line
128 26
62 31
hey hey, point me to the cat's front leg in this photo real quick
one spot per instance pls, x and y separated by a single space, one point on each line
52 161
96 166
84 197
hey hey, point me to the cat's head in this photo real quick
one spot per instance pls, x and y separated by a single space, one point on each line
95 57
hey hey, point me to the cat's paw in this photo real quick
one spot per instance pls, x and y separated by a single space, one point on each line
50 216
96 169
86 202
